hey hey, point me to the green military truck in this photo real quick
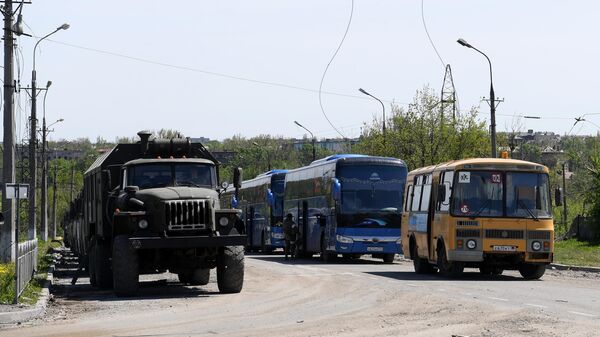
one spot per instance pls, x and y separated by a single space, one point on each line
153 207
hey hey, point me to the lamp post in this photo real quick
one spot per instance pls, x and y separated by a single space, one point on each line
464 43
44 207
382 107
314 154
268 155
33 139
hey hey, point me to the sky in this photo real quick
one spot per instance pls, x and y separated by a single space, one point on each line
127 65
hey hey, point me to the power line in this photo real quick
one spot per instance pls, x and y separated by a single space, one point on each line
329 64
427 32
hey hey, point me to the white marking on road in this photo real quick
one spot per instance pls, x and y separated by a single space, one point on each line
498 299
535 305
412 285
582 314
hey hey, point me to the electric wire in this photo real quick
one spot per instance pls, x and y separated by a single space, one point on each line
427 32
329 64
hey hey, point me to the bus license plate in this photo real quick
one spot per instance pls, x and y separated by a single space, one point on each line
375 249
505 248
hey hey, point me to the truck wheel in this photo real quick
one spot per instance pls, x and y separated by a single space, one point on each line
450 269
230 270
532 271
200 277
125 267
102 264
388 258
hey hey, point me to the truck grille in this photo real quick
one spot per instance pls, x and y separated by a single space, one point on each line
181 215
503 234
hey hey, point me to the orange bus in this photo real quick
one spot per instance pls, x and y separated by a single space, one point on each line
489 213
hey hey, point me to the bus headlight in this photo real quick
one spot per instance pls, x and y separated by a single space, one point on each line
471 244
224 221
343 239
143 224
536 245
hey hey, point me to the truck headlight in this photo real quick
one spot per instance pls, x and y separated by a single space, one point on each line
143 224
536 245
343 239
471 244
224 221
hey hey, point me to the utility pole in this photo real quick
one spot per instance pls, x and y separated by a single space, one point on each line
7 231
564 181
44 206
54 201
33 157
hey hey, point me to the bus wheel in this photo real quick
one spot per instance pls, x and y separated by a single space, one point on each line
532 271
450 269
388 258
421 265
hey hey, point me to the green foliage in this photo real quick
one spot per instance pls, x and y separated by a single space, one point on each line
578 253
424 134
7 283
593 192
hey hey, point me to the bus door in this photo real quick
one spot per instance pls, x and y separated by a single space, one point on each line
303 226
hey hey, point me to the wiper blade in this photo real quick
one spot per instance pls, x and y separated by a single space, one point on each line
482 208
524 206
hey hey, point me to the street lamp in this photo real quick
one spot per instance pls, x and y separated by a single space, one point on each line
464 43
33 139
268 155
313 140
382 107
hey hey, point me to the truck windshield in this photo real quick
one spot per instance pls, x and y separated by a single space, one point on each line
482 194
371 188
176 174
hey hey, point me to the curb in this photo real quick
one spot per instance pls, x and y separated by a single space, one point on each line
39 309
558 266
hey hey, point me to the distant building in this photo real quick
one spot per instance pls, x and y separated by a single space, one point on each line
335 145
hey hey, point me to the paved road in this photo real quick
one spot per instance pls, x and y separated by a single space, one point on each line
308 298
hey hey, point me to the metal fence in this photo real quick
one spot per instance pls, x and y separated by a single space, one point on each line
26 264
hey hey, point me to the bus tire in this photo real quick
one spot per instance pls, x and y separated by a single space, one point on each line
230 270
325 255
449 269
104 276
532 271
125 267
422 266
388 258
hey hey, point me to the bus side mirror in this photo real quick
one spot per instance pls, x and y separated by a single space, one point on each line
336 189
270 198
441 193
558 196
237 177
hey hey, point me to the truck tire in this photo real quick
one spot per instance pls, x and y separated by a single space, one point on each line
230 270
125 267
388 258
103 273
532 271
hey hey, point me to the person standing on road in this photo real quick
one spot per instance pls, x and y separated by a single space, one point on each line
289 232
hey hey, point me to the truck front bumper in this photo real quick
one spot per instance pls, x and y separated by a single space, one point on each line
187 241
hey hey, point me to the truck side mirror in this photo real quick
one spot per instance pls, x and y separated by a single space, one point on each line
441 193
558 196
237 177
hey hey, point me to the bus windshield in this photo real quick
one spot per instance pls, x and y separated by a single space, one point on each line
160 175
371 188
277 189
482 194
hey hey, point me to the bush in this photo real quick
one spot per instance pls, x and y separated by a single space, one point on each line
7 283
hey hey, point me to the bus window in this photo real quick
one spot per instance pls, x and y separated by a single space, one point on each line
478 193
426 194
416 198
525 193
408 199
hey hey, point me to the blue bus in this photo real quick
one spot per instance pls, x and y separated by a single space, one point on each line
349 205
261 202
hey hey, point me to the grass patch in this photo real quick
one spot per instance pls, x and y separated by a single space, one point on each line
578 253
32 292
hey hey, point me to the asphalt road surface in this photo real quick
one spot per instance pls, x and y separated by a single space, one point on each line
308 298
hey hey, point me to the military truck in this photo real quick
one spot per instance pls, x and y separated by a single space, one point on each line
153 206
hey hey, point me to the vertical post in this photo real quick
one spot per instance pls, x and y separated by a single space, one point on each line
54 201
72 180
314 151
493 115
17 248
8 165
44 203
564 181
33 159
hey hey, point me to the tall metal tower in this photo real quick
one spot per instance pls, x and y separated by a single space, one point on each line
449 101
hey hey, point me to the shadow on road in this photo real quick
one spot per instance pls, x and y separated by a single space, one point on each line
312 260
467 276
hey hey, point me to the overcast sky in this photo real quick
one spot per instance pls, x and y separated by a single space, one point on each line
544 53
